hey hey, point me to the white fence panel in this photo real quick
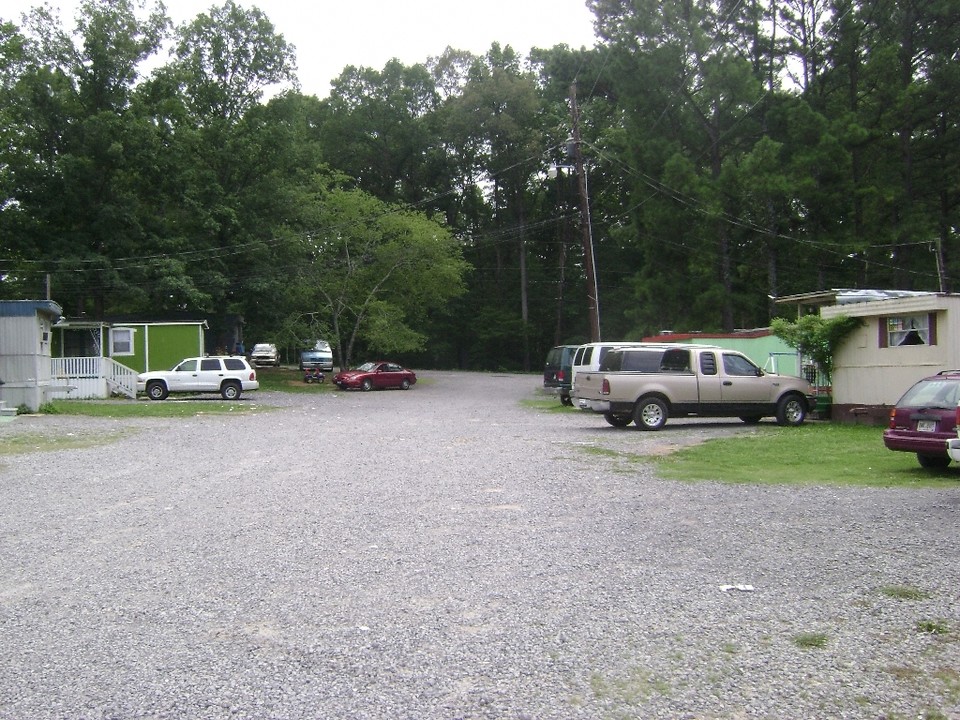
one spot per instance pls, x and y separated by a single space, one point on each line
77 389
87 378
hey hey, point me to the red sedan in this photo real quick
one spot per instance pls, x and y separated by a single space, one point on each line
375 375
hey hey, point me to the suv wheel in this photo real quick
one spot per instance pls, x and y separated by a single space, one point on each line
156 390
230 390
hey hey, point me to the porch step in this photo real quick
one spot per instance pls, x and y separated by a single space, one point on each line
7 414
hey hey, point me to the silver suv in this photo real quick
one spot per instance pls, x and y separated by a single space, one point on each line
227 375
265 354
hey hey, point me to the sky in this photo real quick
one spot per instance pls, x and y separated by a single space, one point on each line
331 34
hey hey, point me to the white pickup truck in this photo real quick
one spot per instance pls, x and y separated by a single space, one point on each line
649 384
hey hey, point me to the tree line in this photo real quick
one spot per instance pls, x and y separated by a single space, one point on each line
733 152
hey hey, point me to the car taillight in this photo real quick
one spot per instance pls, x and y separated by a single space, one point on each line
605 387
253 374
560 375
956 416
893 418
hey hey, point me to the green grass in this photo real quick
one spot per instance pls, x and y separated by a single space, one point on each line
933 627
38 442
172 407
290 380
546 403
810 640
904 592
814 454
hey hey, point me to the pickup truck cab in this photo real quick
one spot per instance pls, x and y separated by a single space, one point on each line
649 384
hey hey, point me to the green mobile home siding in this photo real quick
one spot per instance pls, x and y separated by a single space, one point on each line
764 348
166 345
158 346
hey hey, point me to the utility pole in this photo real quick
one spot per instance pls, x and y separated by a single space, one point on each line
586 231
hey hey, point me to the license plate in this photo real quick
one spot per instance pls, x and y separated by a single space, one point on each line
926 425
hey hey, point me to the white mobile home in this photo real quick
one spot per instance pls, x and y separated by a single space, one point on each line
25 338
904 337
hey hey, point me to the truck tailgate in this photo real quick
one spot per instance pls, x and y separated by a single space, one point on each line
587 385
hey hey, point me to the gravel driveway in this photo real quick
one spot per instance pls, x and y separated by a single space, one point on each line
449 553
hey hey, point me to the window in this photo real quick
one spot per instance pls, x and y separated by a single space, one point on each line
121 341
739 365
187 366
708 363
612 362
234 363
210 364
675 361
642 360
908 330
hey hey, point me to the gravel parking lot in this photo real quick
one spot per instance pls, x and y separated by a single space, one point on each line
449 552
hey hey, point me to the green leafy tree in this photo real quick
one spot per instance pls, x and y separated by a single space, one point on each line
227 169
688 96
76 148
377 129
498 118
816 337
376 270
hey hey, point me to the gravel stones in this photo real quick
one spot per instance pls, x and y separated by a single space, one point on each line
447 552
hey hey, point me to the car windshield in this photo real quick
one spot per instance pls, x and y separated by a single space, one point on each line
261 348
939 393
367 367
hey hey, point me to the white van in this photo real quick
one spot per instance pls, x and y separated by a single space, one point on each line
321 357
588 356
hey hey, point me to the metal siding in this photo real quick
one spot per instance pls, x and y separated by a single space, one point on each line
24 357
169 344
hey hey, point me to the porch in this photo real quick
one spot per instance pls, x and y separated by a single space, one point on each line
86 378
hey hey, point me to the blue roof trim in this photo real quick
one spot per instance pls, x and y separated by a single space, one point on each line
29 308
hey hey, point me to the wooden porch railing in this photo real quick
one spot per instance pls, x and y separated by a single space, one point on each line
75 370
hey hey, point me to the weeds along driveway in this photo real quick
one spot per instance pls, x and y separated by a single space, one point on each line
447 552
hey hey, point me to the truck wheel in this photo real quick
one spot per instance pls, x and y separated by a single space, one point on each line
617 420
791 410
651 413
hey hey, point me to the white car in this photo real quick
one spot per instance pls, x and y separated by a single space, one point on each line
227 375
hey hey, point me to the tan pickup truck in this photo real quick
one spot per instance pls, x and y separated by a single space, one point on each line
649 384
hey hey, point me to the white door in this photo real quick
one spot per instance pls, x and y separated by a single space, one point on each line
184 377
210 375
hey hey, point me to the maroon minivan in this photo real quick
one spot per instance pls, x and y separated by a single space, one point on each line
925 418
